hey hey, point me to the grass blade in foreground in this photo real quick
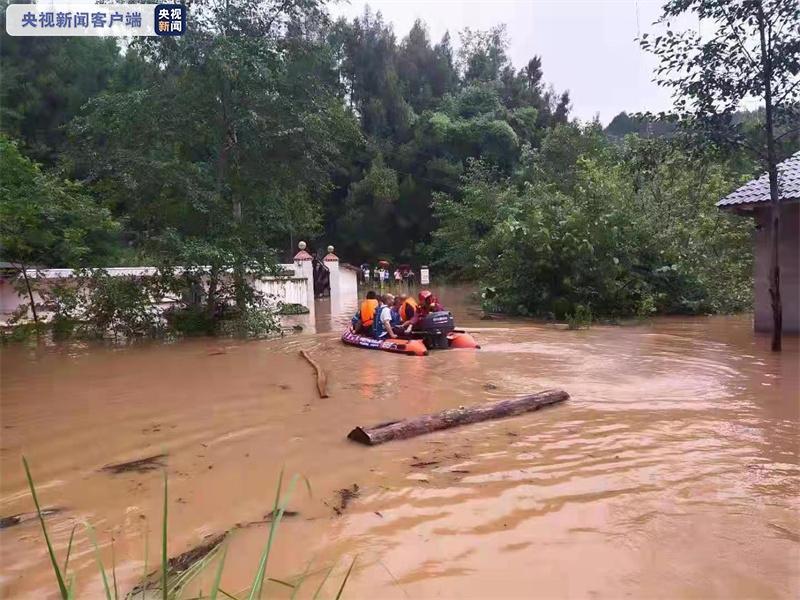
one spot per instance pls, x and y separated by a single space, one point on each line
164 557
61 586
114 568
322 583
278 509
218 576
101 568
346 577
146 548
69 549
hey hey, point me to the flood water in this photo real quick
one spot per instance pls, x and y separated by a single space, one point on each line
672 472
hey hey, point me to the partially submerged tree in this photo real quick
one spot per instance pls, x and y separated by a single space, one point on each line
753 52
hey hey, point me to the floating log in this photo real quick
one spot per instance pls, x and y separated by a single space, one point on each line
453 417
322 380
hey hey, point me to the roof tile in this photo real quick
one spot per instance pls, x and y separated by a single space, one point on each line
757 190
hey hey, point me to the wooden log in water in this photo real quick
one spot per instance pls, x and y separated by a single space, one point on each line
453 417
322 379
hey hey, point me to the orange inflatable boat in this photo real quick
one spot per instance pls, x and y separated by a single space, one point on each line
435 332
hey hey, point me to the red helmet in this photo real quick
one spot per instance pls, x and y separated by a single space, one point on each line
424 295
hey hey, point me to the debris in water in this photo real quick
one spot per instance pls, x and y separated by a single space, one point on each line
176 565
12 520
268 518
272 514
489 386
345 496
412 427
421 464
461 471
141 465
322 378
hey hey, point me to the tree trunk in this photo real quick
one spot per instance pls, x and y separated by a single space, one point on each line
774 192
30 295
406 428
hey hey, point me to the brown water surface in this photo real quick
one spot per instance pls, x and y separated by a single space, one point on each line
672 472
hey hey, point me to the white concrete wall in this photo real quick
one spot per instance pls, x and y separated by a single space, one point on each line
290 290
297 287
348 282
9 300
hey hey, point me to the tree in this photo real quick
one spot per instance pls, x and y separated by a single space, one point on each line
483 54
753 52
368 65
45 222
45 83
427 73
242 113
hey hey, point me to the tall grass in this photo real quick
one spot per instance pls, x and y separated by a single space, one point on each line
173 584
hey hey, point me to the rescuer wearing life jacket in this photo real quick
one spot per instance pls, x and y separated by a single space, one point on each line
406 310
364 319
428 303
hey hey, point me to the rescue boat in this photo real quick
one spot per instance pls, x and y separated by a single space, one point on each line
435 332
399 346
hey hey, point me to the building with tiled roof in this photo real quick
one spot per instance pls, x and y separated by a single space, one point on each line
757 190
753 199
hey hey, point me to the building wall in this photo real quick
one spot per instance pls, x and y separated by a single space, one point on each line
348 286
9 299
789 257
289 290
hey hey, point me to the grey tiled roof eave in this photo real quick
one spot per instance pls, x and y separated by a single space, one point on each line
757 190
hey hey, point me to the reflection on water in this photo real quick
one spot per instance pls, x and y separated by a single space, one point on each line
671 472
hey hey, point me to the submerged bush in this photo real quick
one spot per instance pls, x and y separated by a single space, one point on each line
580 319
631 231
291 308
95 304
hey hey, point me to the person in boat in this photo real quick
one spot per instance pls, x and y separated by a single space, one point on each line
385 324
406 311
428 303
364 319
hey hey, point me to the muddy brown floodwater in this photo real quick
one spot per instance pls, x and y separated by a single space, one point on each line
671 472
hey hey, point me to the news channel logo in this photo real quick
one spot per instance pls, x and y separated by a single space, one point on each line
57 18
170 19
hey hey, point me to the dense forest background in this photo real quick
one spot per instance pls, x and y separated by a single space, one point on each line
268 123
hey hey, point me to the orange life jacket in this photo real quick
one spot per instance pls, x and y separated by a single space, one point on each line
368 308
404 315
